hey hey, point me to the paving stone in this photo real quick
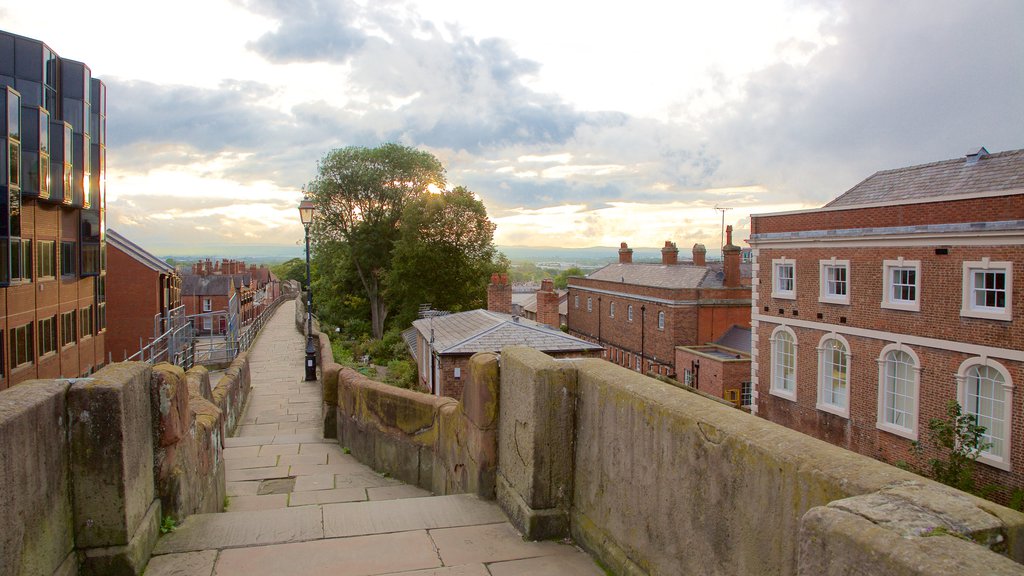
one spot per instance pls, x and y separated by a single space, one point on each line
266 502
296 438
327 496
382 516
241 452
257 473
234 529
308 459
489 543
276 419
397 492
279 449
464 570
314 482
276 486
242 463
244 488
575 562
257 430
328 448
184 564
238 441
380 554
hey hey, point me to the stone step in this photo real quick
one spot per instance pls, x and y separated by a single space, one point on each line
303 523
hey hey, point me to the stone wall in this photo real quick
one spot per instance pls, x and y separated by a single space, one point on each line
89 467
655 480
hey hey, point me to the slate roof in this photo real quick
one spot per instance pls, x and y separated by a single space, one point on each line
484 331
991 173
736 338
138 253
215 285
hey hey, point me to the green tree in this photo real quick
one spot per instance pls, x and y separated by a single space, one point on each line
294 269
444 255
958 440
360 195
562 279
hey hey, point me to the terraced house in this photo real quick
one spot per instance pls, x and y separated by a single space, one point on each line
872 313
52 198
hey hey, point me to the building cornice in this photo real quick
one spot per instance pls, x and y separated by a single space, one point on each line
960 234
902 202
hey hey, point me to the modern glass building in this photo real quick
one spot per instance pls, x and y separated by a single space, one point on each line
52 201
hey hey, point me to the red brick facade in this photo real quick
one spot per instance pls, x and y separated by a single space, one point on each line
953 239
137 294
715 370
662 317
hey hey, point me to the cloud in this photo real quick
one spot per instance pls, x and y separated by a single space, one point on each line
309 30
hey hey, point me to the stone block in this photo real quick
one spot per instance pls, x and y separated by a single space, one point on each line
535 524
480 394
169 404
198 378
535 458
37 534
129 559
834 540
329 379
111 453
397 457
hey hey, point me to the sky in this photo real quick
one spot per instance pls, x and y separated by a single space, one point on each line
577 123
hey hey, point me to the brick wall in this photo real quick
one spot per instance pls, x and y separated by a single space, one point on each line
994 209
868 327
133 299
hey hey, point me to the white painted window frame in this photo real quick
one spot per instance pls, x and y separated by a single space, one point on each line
777 292
823 292
824 378
1000 461
911 432
888 266
968 309
774 389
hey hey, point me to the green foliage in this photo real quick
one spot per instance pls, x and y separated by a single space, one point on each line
444 255
958 440
401 373
168 525
294 269
360 195
346 450
561 281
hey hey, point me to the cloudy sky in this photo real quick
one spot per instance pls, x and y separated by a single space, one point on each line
577 123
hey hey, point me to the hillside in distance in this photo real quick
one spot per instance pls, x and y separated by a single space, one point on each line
591 255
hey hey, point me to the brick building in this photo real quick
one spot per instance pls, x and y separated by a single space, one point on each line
640 312
872 313
720 368
52 195
211 298
141 289
255 289
442 344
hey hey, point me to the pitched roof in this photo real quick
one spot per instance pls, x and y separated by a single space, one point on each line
214 285
989 173
137 252
657 275
736 338
485 331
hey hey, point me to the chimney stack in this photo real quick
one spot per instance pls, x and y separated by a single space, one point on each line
499 294
625 254
699 255
731 255
547 304
670 254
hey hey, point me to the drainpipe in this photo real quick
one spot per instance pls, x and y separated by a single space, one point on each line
643 317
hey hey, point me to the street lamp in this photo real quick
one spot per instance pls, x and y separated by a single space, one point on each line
306 209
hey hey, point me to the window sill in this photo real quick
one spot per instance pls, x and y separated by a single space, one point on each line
897 430
905 307
834 300
995 462
841 412
1006 316
784 295
785 395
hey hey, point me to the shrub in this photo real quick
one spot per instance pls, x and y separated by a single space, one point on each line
401 373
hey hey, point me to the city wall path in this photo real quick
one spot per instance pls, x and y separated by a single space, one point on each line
298 504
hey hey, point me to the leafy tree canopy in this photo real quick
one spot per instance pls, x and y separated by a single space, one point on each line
360 196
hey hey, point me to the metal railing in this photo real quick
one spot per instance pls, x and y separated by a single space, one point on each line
208 338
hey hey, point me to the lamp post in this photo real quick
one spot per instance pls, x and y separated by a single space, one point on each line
306 209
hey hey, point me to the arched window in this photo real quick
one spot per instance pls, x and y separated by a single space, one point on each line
834 375
590 304
898 374
661 320
784 363
629 312
576 301
611 310
985 391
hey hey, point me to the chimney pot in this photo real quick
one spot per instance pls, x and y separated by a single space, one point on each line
669 254
699 255
625 254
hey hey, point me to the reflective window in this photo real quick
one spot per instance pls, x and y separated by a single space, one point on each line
898 389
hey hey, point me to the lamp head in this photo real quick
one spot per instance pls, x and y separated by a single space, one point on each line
306 209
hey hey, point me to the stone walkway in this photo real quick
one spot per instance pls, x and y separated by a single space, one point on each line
299 504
